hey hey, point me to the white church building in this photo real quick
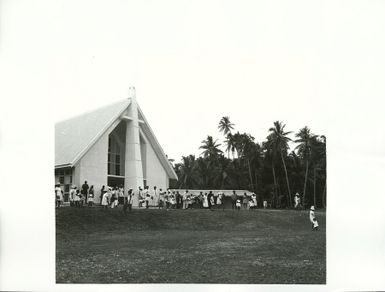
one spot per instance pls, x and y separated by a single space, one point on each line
110 146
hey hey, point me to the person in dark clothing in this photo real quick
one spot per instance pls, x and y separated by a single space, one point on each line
128 201
84 192
200 200
209 199
233 200
178 198
102 191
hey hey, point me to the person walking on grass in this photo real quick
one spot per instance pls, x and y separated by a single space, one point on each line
313 220
58 195
91 196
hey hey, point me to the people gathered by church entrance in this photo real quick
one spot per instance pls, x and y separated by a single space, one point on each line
112 197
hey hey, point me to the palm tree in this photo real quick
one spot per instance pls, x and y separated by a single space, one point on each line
230 146
271 154
305 138
210 147
226 126
280 140
188 174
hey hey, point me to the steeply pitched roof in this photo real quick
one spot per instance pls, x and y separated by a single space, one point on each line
74 137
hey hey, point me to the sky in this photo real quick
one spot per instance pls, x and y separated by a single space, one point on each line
314 63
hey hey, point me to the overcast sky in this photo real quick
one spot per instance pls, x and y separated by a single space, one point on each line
193 62
314 63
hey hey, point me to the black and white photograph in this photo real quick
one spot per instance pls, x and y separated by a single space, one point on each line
192 145
241 213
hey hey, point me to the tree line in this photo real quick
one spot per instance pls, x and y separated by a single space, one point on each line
269 168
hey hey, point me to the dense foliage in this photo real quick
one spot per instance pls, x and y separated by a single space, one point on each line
269 168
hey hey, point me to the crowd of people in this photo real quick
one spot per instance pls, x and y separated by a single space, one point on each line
113 197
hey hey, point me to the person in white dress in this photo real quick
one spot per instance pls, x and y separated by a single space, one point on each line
312 216
238 204
155 197
264 204
91 195
219 200
105 198
184 200
296 201
254 199
72 196
205 201
251 204
59 195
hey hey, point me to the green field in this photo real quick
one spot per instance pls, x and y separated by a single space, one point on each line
189 246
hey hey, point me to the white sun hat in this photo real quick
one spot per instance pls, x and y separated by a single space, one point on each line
312 208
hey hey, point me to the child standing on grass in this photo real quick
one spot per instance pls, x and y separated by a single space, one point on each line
238 204
251 204
312 217
77 198
91 196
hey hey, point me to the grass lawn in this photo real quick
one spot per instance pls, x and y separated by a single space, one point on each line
189 246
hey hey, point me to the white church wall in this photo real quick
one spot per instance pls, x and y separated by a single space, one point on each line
156 174
93 166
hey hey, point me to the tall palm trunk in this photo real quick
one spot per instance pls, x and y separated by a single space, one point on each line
314 190
275 186
287 179
324 196
304 185
251 178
